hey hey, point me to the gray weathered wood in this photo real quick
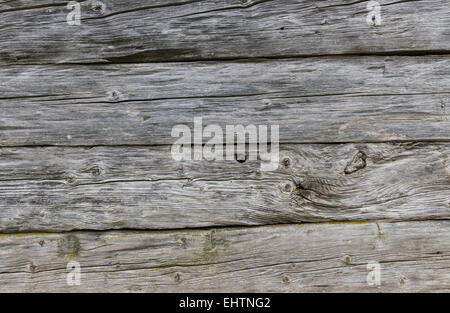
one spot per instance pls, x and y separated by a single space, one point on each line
326 99
414 256
142 31
86 114
60 188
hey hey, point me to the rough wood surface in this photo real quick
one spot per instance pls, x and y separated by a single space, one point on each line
35 32
414 256
60 188
86 114
325 99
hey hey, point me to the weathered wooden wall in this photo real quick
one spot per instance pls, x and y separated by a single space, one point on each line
86 172
414 256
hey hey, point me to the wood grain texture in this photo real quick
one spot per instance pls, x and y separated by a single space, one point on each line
36 32
314 100
85 136
60 189
414 257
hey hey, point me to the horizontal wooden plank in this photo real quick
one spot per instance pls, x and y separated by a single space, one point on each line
413 257
122 31
314 100
60 188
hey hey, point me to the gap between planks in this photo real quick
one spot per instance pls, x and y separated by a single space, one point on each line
214 228
259 59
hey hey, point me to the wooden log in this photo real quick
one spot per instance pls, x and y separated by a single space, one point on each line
167 30
314 100
413 257
61 188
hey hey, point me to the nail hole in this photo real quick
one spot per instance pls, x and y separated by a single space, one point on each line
240 158
348 259
70 179
287 188
32 268
299 187
95 171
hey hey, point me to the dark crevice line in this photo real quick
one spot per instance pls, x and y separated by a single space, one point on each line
399 2
236 227
90 146
256 59
132 181
32 97
273 95
198 97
